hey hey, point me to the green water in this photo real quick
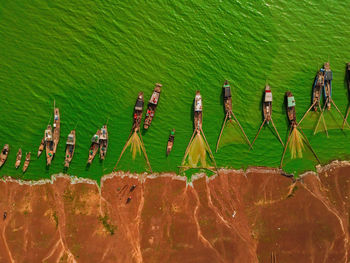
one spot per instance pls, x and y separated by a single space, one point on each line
93 57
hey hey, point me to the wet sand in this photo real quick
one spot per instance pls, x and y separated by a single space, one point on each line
236 216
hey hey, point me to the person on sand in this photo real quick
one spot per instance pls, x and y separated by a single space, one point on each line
128 200
5 215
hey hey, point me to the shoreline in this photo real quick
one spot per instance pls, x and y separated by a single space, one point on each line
142 177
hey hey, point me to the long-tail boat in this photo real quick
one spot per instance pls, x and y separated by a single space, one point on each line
294 125
56 129
229 113
267 112
49 144
138 112
317 90
95 143
198 114
26 162
170 142
152 105
18 158
4 154
348 81
327 87
70 147
137 117
103 142
41 146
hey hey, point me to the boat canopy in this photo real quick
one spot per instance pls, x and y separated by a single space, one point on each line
227 91
291 101
48 135
95 138
154 98
103 135
268 96
139 105
320 80
328 75
70 139
198 103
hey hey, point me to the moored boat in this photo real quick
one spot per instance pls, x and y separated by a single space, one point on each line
103 142
227 98
291 108
49 144
4 154
152 105
317 90
41 146
327 87
198 112
18 158
170 142
26 162
138 112
267 104
70 147
94 146
56 129
348 75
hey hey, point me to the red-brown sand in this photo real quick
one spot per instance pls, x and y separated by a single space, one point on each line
234 217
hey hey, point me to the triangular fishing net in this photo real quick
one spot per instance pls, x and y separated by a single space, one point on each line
231 134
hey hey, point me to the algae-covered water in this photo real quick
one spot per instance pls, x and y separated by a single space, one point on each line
93 57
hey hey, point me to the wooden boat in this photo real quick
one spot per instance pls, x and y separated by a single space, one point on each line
4 154
152 105
18 158
170 142
267 104
95 143
49 144
198 107
317 90
56 129
26 163
327 88
41 147
103 142
348 75
227 98
291 108
138 112
70 147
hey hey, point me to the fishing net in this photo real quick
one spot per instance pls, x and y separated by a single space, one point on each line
135 145
198 154
231 134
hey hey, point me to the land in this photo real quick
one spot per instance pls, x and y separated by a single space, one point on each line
237 216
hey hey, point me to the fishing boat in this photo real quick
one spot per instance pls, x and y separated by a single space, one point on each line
56 129
41 146
138 112
103 142
170 142
49 144
267 104
291 108
26 162
227 98
198 112
267 112
18 158
327 87
70 147
348 75
4 154
94 146
152 105
317 90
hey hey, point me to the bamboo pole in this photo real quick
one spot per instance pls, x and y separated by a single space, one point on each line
318 122
121 154
211 154
144 152
286 145
234 116
222 129
313 104
310 145
346 117
256 136
324 124
339 112
273 124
